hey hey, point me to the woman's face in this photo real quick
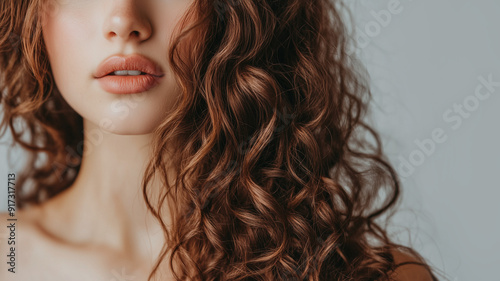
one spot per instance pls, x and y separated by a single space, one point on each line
80 34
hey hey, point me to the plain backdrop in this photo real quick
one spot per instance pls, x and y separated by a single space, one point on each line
428 60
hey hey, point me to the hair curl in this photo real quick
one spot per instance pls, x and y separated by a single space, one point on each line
276 178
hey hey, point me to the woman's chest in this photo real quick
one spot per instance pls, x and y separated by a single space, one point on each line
49 261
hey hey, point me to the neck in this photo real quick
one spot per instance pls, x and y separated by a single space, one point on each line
105 205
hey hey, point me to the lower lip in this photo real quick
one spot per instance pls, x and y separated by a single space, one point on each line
117 84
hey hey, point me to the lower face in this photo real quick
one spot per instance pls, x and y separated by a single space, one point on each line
80 34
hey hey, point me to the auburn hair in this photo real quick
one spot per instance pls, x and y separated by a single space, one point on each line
277 174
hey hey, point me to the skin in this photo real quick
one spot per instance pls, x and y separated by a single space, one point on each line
99 229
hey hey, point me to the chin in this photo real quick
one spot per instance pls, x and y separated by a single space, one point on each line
128 126
124 131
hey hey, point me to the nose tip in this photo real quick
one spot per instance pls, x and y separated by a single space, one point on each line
128 22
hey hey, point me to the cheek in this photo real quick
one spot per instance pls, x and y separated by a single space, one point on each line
67 44
65 39
65 35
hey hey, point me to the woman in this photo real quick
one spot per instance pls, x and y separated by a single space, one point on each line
194 140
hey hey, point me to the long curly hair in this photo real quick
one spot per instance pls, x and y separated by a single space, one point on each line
275 174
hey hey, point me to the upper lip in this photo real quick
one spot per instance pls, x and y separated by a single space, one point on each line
129 62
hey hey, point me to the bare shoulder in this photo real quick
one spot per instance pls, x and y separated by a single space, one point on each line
409 271
15 231
7 247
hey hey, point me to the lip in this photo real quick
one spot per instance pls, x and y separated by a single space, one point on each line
128 84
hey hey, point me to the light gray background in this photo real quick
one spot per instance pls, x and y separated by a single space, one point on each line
422 62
